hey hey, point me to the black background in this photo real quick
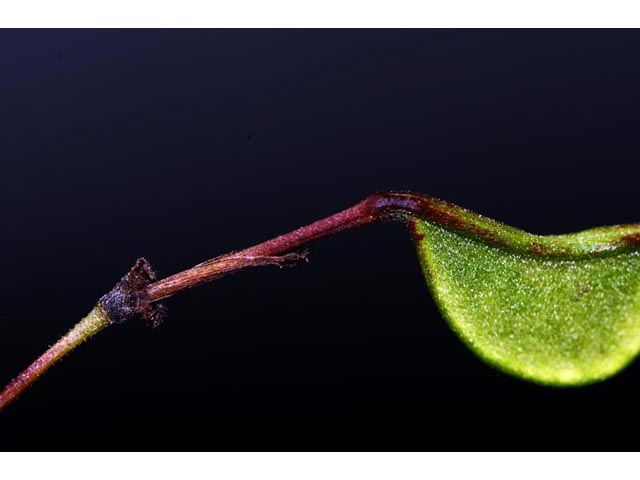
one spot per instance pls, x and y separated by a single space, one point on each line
182 145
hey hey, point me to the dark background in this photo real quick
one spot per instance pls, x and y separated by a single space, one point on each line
182 145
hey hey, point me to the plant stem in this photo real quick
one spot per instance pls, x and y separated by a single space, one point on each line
95 321
365 212
120 304
400 206
135 293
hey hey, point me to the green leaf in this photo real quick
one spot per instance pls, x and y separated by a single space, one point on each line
557 310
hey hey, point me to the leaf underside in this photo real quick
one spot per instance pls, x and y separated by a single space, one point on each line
556 310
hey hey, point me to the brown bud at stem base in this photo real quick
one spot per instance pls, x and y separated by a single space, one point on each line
124 301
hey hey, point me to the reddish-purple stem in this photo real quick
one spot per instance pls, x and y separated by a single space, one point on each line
374 208
380 206
95 321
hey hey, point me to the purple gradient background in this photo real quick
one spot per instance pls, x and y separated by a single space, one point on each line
182 145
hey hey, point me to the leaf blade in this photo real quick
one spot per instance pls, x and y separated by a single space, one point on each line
557 310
